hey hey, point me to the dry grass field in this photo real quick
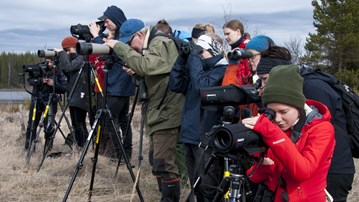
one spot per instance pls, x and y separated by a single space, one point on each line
23 183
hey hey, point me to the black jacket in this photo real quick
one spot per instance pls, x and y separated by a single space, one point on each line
71 66
316 88
43 91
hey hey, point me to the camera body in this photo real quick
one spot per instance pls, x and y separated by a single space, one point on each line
36 73
82 32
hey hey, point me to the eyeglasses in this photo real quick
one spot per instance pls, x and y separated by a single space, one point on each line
254 57
130 41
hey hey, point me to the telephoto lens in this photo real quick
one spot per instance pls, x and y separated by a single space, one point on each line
83 48
46 53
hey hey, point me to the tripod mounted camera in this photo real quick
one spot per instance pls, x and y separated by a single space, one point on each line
231 141
102 116
44 101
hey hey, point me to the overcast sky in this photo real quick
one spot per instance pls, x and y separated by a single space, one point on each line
38 24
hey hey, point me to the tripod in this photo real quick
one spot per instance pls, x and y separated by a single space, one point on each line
49 112
101 114
47 147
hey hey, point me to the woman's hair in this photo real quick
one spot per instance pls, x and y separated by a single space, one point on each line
209 28
277 52
234 25
215 37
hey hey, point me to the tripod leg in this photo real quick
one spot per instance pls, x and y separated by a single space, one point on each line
82 156
129 125
100 130
128 163
29 140
46 148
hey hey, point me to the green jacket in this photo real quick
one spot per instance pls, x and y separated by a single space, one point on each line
154 65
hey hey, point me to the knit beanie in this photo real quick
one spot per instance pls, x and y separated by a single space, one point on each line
259 43
285 85
266 64
209 44
69 42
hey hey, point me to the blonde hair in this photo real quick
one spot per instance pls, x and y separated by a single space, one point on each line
209 28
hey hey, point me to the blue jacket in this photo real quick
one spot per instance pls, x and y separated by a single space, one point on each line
188 78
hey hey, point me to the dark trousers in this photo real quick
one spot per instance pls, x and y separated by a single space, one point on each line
78 119
339 186
196 159
119 108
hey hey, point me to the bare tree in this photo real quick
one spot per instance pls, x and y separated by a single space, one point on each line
227 11
295 46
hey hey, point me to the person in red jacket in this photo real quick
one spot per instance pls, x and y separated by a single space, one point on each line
300 140
237 74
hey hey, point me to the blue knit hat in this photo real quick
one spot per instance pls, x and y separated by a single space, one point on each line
129 28
260 43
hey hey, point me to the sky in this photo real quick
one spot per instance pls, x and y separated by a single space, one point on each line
42 24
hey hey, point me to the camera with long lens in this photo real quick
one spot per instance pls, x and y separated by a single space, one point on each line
83 48
230 95
232 139
36 73
49 53
236 138
82 32
238 54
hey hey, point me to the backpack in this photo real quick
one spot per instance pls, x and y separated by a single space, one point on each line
181 44
350 102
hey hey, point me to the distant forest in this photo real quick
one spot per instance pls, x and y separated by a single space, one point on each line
11 65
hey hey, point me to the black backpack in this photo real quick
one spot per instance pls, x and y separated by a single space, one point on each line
350 102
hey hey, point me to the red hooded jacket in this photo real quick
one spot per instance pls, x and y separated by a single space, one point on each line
303 165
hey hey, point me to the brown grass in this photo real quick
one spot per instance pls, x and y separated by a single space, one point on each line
22 183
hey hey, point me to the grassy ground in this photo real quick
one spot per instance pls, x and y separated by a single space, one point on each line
23 183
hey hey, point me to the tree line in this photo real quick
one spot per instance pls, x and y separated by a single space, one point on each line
11 64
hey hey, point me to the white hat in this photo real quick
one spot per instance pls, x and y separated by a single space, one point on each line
209 44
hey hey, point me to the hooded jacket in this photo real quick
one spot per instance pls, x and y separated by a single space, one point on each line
188 79
119 83
302 165
154 65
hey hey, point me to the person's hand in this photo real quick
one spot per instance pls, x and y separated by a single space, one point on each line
250 122
260 91
94 29
128 70
48 81
267 161
110 42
